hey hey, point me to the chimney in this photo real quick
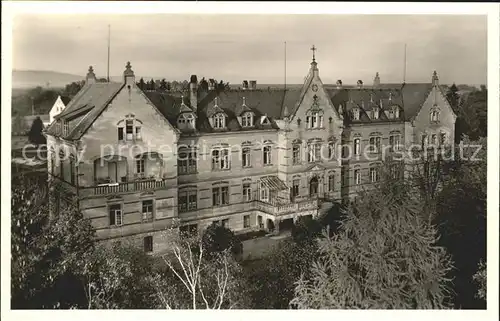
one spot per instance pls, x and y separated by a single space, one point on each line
193 92
339 84
245 84
90 79
253 84
128 75
435 79
376 81
360 84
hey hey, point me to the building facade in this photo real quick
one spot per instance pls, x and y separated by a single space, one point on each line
142 163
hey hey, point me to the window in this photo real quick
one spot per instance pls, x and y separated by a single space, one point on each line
434 115
187 201
246 221
375 113
72 170
147 210
314 153
314 120
115 215
220 196
442 138
247 120
391 114
264 194
296 154
331 182
355 114
220 159
260 222
394 142
61 169
245 157
396 112
357 146
267 155
373 175
186 163
424 140
65 127
375 144
219 121
148 244
357 176
139 166
247 192
225 222
434 139
331 150
295 188
132 129
188 230
394 170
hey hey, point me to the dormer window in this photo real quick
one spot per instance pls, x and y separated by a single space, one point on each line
396 112
375 113
65 127
129 129
247 120
355 114
186 121
219 121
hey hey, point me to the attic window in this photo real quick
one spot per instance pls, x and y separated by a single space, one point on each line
131 131
375 113
65 127
355 113
434 115
186 120
219 121
247 120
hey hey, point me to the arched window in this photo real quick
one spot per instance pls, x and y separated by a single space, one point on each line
355 113
266 151
313 186
314 119
219 120
129 129
434 115
186 120
247 119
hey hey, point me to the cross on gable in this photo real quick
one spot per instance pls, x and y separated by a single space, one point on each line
313 49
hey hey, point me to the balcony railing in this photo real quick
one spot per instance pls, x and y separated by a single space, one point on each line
133 186
284 209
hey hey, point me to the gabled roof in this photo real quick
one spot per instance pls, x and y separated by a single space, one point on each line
85 107
409 97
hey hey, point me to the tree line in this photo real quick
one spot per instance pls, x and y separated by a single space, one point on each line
404 245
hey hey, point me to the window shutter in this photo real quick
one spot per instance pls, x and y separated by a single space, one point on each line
120 133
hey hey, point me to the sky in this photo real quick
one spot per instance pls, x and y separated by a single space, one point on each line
251 47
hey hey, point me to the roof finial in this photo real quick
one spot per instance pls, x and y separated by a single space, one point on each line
215 101
390 96
371 97
285 112
313 49
244 101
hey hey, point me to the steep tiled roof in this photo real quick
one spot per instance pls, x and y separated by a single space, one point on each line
410 97
85 107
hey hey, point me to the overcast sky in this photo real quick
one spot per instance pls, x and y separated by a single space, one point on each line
237 47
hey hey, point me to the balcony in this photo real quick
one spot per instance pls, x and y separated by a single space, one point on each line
284 209
133 186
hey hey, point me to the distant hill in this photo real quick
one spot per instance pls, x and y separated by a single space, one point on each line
43 78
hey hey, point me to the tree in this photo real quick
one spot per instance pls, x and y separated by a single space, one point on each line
480 279
461 219
163 85
217 239
201 283
203 85
49 256
384 256
453 97
271 280
472 115
73 88
121 276
141 84
306 229
35 135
